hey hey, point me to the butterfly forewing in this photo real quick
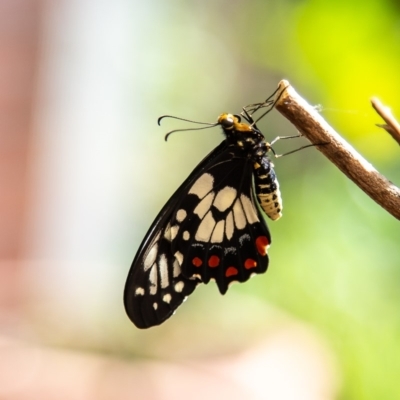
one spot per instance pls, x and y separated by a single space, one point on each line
147 301
157 286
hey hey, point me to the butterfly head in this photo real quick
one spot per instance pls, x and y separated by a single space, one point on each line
231 122
243 135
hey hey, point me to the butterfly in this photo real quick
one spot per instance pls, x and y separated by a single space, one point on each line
212 228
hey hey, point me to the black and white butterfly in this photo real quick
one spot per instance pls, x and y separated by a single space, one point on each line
211 227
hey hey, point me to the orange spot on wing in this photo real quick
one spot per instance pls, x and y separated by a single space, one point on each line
213 261
250 263
197 262
231 271
262 244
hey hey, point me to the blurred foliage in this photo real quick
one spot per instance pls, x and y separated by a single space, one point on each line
335 253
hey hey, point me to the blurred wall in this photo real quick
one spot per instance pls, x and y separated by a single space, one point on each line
19 34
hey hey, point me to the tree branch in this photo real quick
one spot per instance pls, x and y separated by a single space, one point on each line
392 126
310 124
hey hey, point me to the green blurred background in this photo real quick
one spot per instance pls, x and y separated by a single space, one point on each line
98 171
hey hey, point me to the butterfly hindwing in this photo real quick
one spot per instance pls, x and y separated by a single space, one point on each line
219 232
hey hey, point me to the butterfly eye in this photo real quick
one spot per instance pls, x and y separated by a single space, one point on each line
227 121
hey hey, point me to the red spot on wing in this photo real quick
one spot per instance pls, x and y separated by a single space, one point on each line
231 271
213 261
250 263
197 262
262 244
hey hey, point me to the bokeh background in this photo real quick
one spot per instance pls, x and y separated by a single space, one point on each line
85 169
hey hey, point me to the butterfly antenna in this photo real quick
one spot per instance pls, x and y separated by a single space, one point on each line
190 129
209 125
182 119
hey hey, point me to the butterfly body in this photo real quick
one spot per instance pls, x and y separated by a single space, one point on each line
210 229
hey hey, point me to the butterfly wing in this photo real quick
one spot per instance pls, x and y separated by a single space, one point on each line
155 286
218 230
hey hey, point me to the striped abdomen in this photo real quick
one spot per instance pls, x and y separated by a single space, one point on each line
267 188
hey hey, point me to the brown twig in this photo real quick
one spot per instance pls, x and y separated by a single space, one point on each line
310 123
392 126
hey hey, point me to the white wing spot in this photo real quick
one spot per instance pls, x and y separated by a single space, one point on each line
202 186
206 228
240 219
167 298
167 232
218 234
249 210
174 231
150 257
179 286
163 267
181 215
204 206
153 279
179 257
229 227
176 269
225 198
186 235
155 306
139 291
